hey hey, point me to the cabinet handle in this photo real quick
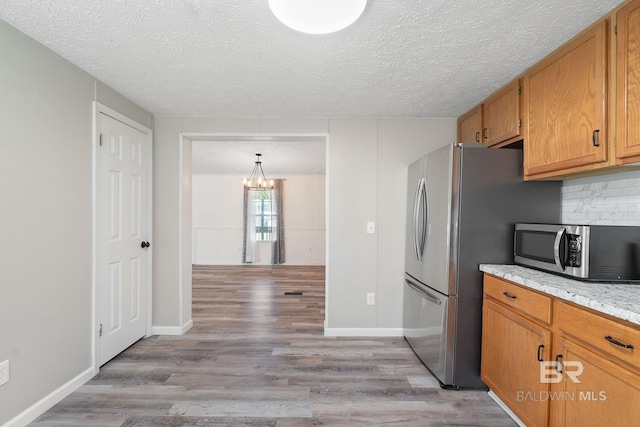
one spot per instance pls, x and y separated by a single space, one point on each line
558 364
484 133
477 136
618 343
594 138
508 295
540 348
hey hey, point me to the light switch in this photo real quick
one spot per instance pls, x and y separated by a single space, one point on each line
371 228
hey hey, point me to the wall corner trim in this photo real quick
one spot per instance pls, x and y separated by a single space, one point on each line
47 402
363 332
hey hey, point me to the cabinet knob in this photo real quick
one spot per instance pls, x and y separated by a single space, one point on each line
477 136
594 138
484 133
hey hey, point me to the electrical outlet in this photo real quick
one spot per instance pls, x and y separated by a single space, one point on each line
371 299
4 372
371 228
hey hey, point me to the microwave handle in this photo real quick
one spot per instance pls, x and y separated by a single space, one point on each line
556 249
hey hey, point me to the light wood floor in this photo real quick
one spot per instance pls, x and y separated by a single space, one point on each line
258 357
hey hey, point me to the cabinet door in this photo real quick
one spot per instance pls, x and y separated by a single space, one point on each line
470 126
511 346
628 82
501 115
606 394
565 106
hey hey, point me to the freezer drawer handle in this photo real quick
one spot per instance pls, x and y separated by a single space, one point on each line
508 295
424 293
540 348
618 343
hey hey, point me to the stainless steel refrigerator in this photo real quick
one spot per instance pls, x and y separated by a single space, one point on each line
462 205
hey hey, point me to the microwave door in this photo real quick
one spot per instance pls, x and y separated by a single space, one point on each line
541 246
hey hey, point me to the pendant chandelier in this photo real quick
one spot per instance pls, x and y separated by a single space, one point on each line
256 180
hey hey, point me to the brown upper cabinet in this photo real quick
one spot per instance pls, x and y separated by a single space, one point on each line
470 126
496 122
565 107
578 110
628 83
501 115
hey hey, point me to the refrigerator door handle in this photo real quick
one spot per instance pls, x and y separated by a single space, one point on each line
424 293
425 217
418 223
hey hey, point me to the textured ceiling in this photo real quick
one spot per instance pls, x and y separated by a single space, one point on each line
280 156
427 58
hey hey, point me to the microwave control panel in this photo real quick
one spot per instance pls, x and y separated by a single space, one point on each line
574 243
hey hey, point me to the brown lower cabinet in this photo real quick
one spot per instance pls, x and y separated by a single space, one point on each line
580 369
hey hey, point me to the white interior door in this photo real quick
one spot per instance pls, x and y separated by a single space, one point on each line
122 236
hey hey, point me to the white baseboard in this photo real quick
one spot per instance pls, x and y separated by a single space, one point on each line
46 403
363 332
171 330
506 409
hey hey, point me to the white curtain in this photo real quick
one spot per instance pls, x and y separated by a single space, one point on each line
249 241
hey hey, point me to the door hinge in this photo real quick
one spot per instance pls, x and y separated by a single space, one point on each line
100 331
519 90
615 141
519 123
101 140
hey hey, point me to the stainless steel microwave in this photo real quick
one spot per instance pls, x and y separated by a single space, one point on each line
604 253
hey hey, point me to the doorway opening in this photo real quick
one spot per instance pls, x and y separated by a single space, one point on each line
213 166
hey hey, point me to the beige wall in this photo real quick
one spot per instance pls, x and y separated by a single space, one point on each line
366 181
46 218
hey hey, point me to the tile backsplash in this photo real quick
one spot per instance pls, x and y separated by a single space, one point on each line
602 200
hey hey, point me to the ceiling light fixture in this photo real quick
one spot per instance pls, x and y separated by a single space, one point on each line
317 16
256 180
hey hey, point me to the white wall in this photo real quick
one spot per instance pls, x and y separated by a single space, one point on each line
602 200
217 220
46 222
366 181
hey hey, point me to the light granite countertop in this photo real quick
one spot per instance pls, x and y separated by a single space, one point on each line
618 300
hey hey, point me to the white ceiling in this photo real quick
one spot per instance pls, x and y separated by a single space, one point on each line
426 58
280 156
232 58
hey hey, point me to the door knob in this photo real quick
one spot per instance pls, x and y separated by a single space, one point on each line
145 245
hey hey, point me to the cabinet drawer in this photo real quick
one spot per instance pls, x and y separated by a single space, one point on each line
521 299
605 335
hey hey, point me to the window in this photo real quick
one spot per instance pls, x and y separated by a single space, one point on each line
264 215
